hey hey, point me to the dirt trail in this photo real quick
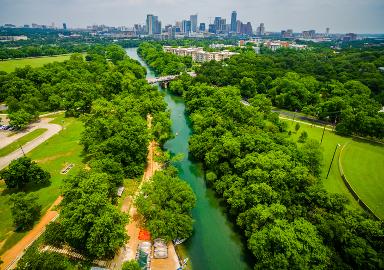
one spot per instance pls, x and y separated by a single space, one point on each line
129 251
11 256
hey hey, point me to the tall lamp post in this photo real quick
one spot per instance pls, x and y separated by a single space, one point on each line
330 165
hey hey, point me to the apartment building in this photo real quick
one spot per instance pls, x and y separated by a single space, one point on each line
198 54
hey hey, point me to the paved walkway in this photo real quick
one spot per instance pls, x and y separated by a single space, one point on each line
52 129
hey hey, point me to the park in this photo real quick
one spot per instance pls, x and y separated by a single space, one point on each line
362 161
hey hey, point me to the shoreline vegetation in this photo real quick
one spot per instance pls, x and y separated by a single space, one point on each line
272 185
114 141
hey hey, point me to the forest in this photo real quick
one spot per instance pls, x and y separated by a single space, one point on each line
109 93
271 184
345 89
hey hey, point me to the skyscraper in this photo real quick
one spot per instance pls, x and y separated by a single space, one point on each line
234 22
202 27
64 26
149 24
193 19
217 24
186 26
153 25
260 30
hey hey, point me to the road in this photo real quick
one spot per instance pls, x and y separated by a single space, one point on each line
52 129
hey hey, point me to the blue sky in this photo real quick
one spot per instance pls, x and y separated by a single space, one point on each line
360 16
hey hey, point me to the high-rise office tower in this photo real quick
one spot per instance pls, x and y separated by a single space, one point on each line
260 30
64 26
193 19
234 22
149 24
238 26
186 26
202 27
217 24
223 25
153 25
327 31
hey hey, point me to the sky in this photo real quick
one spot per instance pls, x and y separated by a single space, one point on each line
342 16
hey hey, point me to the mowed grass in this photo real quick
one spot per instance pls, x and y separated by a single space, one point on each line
21 141
11 65
371 189
363 165
51 155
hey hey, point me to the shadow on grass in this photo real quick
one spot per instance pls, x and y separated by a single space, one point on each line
27 189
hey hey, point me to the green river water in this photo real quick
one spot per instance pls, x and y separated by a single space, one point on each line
214 245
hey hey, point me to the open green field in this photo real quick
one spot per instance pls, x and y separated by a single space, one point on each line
364 150
23 140
10 65
363 165
51 155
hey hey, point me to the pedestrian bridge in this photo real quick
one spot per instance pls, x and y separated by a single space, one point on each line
166 79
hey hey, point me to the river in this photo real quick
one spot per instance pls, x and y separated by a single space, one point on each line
214 245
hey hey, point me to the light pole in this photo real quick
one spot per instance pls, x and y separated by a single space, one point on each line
294 114
322 136
22 150
330 165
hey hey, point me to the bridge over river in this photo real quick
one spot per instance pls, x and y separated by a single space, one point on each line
166 79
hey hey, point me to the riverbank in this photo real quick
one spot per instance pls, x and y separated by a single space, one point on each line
215 244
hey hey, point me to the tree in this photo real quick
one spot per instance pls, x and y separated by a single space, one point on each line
88 221
131 265
20 119
285 245
25 210
166 203
33 259
115 53
297 127
303 137
23 171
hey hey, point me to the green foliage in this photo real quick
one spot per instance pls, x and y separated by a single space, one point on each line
285 245
271 187
20 119
88 221
297 127
345 88
131 265
23 171
303 137
166 203
163 63
25 210
36 260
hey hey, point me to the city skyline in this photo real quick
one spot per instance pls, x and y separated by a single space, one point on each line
344 16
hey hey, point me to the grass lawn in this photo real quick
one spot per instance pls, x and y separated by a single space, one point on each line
356 150
21 141
10 65
363 165
52 155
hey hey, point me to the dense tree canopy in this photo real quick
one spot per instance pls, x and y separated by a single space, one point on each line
345 88
166 203
23 171
25 210
88 221
271 187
